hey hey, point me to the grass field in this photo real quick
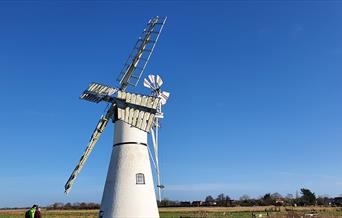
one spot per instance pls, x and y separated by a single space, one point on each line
199 212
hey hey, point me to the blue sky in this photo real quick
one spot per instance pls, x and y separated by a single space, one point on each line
255 101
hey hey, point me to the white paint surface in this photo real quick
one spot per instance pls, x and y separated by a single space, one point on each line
122 197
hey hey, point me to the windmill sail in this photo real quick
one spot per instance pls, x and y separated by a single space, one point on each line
140 54
137 110
101 125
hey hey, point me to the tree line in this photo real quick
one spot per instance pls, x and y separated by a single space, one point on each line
305 198
74 206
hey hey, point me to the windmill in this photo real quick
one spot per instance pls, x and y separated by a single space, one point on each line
129 188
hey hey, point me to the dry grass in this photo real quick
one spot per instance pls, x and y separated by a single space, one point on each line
52 213
196 212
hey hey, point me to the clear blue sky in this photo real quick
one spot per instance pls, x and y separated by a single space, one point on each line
255 101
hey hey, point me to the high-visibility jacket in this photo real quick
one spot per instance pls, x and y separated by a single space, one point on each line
32 211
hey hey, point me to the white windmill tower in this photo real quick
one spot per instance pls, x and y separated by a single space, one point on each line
129 189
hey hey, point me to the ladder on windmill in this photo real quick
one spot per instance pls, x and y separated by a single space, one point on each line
141 53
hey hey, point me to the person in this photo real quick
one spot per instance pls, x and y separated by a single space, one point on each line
37 214
30 213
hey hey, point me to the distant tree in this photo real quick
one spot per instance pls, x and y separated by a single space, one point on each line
229 201
221 200
267 199
244 198
92 206
68 206
73 206
246 201
276 195
289 199
83 205
166 203
220 197
308 197
57 205
209 198
323 200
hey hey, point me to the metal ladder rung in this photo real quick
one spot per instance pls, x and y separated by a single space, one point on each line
139 68
132 84
152 40
136 48
159 23
149 41
153 31
135 77
146 49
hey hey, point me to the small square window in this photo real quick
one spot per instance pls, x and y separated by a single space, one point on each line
140 178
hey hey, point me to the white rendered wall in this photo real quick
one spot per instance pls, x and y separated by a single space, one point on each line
122 197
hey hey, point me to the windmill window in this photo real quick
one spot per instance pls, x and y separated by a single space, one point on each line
140 178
